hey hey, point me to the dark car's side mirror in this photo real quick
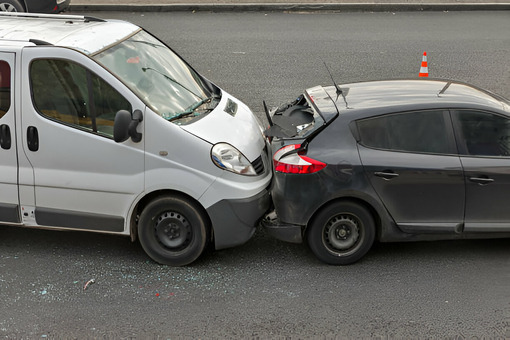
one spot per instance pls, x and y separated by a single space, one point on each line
125 126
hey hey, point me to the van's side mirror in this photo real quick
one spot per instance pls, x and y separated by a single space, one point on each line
125 125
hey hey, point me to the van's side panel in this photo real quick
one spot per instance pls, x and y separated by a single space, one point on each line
82 180
176 159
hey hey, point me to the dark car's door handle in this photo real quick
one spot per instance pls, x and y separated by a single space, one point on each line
387 174
481 180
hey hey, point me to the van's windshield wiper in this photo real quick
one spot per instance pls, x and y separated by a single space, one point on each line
190 109
144 69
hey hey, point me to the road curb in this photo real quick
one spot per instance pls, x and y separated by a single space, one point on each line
292 7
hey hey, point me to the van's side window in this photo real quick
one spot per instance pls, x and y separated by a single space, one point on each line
5 87
69 93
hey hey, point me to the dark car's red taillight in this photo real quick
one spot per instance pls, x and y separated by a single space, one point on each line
287 161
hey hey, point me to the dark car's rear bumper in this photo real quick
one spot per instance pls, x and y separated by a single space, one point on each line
281 231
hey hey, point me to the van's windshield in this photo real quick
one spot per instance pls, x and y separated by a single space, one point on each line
158 76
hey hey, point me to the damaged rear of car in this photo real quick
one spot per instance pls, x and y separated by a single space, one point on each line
316 165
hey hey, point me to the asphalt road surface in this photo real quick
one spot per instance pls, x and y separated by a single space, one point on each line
267 288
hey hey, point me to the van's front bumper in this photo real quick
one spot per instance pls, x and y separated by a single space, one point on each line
235 220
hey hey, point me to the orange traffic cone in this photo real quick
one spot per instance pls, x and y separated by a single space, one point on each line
424 70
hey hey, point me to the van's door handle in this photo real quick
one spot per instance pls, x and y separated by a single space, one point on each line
5 137
32 138
386 174
481 180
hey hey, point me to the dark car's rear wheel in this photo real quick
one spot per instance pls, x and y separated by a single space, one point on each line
172 231
341 233
11 6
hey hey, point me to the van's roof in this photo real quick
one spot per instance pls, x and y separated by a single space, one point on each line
86 34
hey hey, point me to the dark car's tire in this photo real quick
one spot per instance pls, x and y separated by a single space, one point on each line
11 6
172 231
341 233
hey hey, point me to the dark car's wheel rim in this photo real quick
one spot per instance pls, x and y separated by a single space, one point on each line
341 233
173 230
7 8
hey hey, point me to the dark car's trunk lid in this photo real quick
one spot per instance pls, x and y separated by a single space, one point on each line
305 116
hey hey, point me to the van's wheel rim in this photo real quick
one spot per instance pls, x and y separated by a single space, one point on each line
341 233
173 230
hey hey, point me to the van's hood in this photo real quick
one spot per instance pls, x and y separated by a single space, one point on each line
231 122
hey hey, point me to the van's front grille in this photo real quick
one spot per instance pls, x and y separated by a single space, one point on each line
258 165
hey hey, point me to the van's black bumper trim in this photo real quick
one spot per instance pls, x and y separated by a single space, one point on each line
235 220
78 220
9 213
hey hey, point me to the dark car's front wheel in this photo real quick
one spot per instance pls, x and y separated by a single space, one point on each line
341 233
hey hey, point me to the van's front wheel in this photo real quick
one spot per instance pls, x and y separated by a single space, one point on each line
172 231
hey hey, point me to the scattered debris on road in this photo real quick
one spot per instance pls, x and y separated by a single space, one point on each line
89 282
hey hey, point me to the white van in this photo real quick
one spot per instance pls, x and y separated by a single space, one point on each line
104 128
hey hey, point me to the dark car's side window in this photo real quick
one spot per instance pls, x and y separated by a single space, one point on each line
421 131
69 93
482 133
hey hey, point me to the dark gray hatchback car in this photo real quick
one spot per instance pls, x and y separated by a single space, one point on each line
397 160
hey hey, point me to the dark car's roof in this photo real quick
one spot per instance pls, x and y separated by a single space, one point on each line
396 95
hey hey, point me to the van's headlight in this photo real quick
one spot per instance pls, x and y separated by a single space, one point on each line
226 157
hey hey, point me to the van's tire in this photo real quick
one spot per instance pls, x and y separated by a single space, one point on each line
173 231
11 6
341 233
